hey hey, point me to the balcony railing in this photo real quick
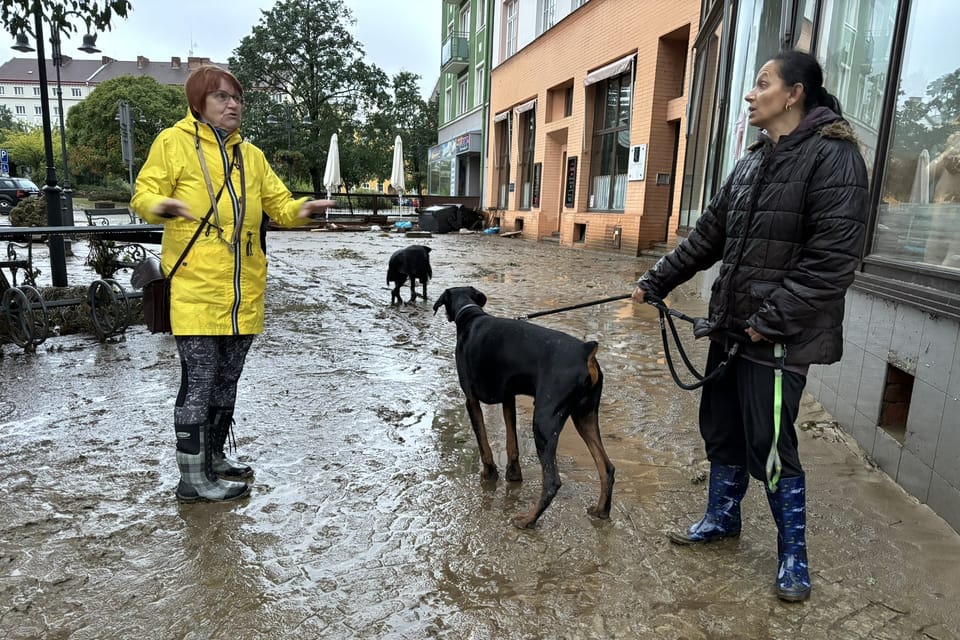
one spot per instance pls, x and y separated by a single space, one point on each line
455 53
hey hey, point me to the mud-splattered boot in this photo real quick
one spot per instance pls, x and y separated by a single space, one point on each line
788 505
198 482
221 426
728 485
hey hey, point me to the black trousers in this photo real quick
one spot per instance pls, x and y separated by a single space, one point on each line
736 415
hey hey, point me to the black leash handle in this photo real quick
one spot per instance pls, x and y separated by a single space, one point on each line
537 314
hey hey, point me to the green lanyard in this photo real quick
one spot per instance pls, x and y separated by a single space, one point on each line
773 458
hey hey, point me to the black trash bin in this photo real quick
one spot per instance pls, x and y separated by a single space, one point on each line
441 218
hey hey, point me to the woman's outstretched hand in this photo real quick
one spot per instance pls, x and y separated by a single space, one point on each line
312 208
173 208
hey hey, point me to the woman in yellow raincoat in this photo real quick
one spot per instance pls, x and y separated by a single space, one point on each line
203 180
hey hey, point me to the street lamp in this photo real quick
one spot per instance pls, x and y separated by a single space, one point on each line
55 214
288 123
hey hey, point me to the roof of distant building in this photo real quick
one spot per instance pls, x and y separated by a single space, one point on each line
171 72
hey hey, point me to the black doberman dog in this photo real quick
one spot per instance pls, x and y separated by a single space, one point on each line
410 262
499 359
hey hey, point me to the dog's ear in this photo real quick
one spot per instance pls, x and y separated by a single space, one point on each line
477 296
426 248
441 301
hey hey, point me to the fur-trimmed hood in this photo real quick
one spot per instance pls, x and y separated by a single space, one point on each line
820 119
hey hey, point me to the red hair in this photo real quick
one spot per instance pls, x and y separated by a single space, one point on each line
204 80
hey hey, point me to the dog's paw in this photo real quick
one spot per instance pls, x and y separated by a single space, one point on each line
489 474
524 521
597 512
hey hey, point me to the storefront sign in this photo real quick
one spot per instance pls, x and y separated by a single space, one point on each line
570 191
463 143
537 171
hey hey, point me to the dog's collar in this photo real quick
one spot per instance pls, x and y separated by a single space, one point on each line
462 309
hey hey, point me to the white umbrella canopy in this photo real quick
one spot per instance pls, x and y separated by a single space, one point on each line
397 173
331 174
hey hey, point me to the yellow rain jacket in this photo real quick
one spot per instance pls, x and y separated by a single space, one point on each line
218 288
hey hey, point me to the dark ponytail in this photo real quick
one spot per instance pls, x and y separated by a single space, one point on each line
799 67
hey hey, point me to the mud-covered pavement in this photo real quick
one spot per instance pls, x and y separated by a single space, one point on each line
367 518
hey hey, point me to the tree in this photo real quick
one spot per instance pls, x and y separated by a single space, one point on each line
18 16
93 132
301 55
416 122
8 122
25 149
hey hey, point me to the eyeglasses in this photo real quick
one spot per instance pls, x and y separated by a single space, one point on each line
223 97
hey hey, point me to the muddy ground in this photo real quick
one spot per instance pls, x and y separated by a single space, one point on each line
367 518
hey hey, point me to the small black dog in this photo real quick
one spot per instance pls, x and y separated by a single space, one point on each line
499 359
411 262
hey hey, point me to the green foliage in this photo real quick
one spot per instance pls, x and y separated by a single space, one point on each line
29 212
65 15
304 52
26 151
8 122
93 133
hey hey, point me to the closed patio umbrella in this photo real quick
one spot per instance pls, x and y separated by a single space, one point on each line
331 174
397 173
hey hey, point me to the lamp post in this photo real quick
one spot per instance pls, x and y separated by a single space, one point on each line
288 123
125 118
55 214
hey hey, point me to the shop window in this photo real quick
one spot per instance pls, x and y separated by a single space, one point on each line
703 103
919 214
528 133
853 45
611 143
502 138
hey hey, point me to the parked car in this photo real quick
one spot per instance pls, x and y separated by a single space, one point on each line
13 190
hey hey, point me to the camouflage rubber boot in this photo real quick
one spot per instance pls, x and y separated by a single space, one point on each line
198 482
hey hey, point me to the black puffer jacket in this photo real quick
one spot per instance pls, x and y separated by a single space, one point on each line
788 225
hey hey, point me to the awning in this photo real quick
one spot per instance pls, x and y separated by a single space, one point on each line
500 117
609 71
526 106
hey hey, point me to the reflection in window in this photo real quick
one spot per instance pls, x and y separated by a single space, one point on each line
502 137
703 102
528 132
919 214
854 48
611 143
757 40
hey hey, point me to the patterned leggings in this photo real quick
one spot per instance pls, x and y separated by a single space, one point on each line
210 368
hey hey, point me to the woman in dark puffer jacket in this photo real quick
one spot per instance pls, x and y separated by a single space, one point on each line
788 229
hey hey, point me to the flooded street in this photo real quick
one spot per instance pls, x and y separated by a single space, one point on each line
367 517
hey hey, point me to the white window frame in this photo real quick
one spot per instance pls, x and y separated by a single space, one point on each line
76 92
547 15
448 104
463 20
481 14
510 11
463 95
479 80
18 91
37 110
21 110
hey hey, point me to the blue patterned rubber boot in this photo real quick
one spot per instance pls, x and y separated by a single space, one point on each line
728 485
788 505
221 424
198 482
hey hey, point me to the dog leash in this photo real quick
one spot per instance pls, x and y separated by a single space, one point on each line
537 314
774 465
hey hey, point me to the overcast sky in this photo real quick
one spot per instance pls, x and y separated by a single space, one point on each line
397 35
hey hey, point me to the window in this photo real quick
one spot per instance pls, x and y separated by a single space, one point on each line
502 136
21 110
918 219
478 85
611 142
854 48
1 91
463 98
380 186
510 30
37 111
481 13
568 102
465 20
548 11
448 104
18 91
528 134
36 91
75 92
696 165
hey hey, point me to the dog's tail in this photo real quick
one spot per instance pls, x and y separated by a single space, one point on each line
592 367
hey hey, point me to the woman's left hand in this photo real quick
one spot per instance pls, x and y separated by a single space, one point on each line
311 208
754 336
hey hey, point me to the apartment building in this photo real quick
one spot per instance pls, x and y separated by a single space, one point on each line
588 119
456 166
20 88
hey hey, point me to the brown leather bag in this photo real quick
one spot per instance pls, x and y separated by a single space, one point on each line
156 294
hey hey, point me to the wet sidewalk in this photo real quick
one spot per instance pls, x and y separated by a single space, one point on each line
367 518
